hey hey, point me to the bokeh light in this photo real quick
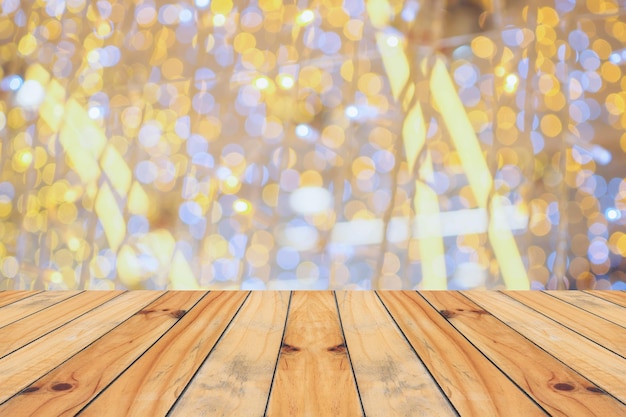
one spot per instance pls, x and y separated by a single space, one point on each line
351 145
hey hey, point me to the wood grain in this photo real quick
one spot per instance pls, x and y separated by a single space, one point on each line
22 332
555 386
473 384
153 383
593 303
8 297
616 297
19 369
30 305
604 368
392 380
607 334
87 373
314 376
236 378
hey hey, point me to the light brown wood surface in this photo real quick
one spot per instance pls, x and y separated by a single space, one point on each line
316 353
552 384
600 303
314 376
462 366
17 334
603 367
30 305
236 378
19 369
617 297
153 383
8 297
391 378
609 335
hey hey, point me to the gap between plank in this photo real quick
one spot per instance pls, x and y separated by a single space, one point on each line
217 341
541 348
487 357
137 358
452 407
86 346
585 310
57 328
563 325
37 311
343 335
282 340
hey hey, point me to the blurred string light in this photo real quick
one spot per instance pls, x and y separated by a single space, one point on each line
212 144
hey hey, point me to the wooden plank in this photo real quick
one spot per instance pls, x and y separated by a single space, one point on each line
593 304
391 379
551 383
313 376
87 373
30 305
153 383
22 332
616 297
8 297
19 369
472 383
604 368
601 331
235 380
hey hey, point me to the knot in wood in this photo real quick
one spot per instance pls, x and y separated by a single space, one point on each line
562 386
285 348
338 349
62 386
447 313
178 314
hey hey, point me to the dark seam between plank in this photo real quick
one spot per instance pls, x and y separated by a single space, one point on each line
406 339
20 299
595 295
40 310
141 355
87 346
282 340
585 310
563 325
217 341
343 335
58 327
491 361
541 348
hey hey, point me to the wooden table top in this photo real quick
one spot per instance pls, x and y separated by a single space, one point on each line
197 353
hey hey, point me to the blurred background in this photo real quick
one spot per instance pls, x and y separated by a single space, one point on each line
331 144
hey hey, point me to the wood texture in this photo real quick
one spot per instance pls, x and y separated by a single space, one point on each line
30 305
153 383
236 378
594 302
19 369
8 297
474 386
314 376
22 332
617 297
607 334
603 367
317 353
392 380
552 384
87 373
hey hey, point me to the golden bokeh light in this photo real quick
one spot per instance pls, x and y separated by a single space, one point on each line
265 145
